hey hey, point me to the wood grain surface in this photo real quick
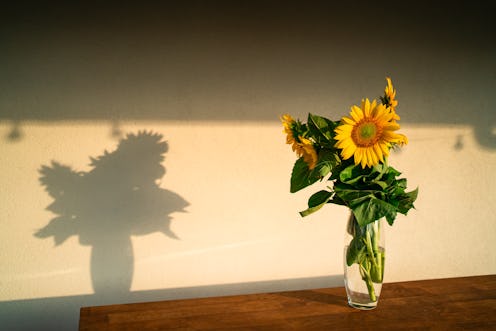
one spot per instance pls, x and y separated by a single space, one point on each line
441 304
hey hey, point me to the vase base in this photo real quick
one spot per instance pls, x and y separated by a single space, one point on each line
362 306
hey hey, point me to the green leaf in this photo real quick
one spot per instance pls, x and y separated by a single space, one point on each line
355 251
317 201
381 183
301 176
343 164
405 201
393 172
352 195
322 129
401 183
361 178
349 176
321 197
338 201
328 160
373 209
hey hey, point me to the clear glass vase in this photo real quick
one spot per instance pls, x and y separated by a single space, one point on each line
364 257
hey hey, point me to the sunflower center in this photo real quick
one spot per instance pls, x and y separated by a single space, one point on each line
366 133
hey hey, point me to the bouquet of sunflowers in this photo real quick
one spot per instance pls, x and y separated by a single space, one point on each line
352 154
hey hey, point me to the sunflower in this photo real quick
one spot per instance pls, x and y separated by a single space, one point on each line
288 123
389 98
302 146
306 150
368 134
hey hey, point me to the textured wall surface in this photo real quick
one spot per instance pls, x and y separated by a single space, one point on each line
142 157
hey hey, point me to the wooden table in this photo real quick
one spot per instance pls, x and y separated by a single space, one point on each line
443 304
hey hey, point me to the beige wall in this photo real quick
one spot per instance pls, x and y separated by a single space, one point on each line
213 82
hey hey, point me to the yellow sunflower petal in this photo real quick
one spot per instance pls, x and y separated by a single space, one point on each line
403 140
390 95
366 107
373 105
343 143
356 113
378 152
385 149
372 156
348 151
392 126
358 155
342 135
349 121
392 137
345 127
363 162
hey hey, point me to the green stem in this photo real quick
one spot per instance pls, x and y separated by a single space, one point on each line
368 281
377 268
370 250
375 236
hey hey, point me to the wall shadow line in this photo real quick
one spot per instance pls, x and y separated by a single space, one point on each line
167 58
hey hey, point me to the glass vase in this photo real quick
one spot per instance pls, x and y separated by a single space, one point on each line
364 257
